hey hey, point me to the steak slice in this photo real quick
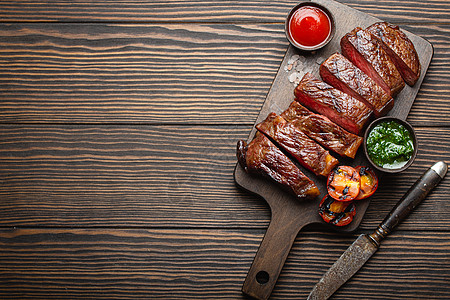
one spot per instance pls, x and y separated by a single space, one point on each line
339 72
322 130
262 157
338 106
399 48
366 52
306 151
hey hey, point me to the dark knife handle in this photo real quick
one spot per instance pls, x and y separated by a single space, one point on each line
416 193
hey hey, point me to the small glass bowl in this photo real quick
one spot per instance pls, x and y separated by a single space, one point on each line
309 48
413 136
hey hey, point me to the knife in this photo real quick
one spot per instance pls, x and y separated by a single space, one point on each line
367 244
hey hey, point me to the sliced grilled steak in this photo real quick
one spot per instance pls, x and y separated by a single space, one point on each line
338 106
262 157
399 48
322 130
306 151
339 72
366 52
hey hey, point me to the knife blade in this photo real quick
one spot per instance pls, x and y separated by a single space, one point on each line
367 244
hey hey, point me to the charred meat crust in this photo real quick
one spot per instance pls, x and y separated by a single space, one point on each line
342 74
306 151
366 52
339 107
322 130
241 150
378 58
263 158
399 48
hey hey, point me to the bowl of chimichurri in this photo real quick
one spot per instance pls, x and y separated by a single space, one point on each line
390 144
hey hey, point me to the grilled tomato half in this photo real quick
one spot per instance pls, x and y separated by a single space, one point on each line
336 212
343 183
369 182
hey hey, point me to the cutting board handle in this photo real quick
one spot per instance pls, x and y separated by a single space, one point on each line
272 253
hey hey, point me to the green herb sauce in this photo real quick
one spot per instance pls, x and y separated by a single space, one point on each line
390 145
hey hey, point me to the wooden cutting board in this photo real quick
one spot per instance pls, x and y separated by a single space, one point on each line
288 215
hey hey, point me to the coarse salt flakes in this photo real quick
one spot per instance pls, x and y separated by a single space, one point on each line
293 58
293 77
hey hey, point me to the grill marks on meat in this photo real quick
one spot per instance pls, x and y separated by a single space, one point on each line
399 48
322 130
306 151
339 72
366 52
361 81
262 157
338 106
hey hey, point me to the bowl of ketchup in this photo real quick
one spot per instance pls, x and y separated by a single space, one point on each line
309 26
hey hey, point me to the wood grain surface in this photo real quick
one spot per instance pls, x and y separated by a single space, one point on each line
118 126
288 215
192 264
160 176
169 73
413 11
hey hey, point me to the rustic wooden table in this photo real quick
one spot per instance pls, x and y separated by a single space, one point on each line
119 121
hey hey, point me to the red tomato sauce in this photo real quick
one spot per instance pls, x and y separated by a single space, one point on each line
309 26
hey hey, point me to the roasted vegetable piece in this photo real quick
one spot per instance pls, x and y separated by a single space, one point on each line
336 212
343 183
369 182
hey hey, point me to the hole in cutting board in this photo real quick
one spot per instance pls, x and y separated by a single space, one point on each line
262 277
